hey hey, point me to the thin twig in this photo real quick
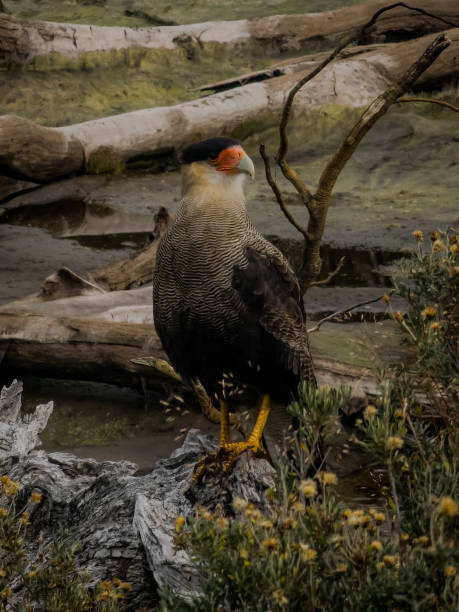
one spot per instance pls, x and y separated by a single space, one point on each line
431 101
416 439
272 183
332 275
345 310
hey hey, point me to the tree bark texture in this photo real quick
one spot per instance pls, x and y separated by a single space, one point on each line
354 80
23 40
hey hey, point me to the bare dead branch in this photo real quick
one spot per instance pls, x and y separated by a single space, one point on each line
272 183
332 275
411 8
430 101
345 311
283 146
376 110
318 203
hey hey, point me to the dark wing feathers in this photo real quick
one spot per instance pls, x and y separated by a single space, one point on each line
272 296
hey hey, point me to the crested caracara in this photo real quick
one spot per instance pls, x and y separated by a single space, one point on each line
226 302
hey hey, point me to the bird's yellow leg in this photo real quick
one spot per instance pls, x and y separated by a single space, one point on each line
253 442
230 451
224 423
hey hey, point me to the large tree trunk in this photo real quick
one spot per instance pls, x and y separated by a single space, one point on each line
354 80
23 40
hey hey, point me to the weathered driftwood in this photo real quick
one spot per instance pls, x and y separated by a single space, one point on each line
77 348
353 81
137 270
124 521
106 346
23 40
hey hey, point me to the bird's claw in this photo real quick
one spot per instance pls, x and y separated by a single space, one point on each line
221 463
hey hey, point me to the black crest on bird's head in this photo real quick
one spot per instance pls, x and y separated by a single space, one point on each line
207 149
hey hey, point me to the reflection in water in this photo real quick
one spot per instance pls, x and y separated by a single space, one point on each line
92 224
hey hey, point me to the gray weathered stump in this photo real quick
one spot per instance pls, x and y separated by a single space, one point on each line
123 520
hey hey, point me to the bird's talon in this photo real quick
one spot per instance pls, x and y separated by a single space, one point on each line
224 459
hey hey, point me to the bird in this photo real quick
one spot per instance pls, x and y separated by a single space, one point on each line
227 305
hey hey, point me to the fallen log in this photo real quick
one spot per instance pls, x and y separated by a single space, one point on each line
78 348
353 81
23 40
109 346
123 520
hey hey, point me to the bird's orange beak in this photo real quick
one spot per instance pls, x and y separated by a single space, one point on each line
234 160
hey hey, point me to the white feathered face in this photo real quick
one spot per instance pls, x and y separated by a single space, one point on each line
218 163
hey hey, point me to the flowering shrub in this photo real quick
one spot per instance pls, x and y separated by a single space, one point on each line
49 579
307 551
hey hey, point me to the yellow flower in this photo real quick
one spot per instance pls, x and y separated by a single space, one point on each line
308 487
418 235
386 298
423 540
405 537
266 524
222 522
126 586
454 271
389 559
455 248
179 522
438 245
243 553
252 512
298 507
342 568
270 543
307 553
279 597
25 518
239 504
380 565
2 573
369 412
398 316
289 522
10 487
429 312
31 574
35 498
347 513
399 414
3 511
394 442
6 593
434 235
376 545
358 518
435 326
448 506
450 570
328 478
